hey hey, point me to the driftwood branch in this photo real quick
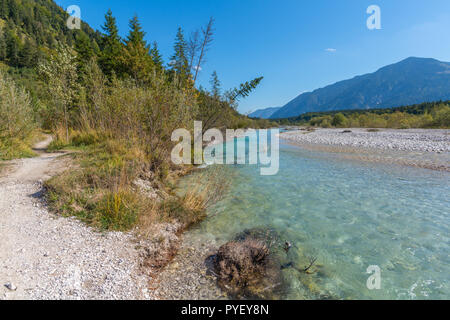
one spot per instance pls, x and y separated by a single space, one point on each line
312 261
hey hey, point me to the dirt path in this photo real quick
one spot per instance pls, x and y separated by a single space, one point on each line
47 257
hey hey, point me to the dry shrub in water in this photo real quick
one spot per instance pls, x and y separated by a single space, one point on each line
246 269
249 267
241 263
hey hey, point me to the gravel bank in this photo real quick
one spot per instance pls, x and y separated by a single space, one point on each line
424 140
421 148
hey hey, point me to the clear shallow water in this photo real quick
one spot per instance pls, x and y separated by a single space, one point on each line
349 215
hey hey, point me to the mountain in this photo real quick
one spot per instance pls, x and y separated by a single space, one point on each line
264 113
30 28
411 81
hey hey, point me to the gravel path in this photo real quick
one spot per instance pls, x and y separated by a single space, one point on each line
43 256
424 140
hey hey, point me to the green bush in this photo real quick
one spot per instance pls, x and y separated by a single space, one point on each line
16 120
339 120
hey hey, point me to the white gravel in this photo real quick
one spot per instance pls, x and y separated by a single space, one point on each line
43 256
422 140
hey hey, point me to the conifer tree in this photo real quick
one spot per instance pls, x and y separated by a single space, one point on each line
83 48
156 56
136 35
112 47
4 9
215 85
2 47
179 62
27 56
13 11
12 48
137 60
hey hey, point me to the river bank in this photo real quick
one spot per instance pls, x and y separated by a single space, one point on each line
348 214
424 148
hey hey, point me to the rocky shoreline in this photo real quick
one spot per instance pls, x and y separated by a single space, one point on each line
425 148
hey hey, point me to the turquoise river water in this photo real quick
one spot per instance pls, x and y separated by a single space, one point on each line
350 215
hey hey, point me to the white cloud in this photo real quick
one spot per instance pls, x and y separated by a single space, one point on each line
331 50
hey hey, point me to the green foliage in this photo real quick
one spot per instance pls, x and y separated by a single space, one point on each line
112 47
16 120
156 57
31 27
115 103
179 63
99 192
215 85
137 59
84 48
117 211
425 115
244 89
339 120
61 76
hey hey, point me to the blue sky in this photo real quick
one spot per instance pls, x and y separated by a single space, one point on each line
286 41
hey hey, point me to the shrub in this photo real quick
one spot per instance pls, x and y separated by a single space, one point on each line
249 267
339 120
16 120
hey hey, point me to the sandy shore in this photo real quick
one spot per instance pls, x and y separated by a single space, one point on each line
426 148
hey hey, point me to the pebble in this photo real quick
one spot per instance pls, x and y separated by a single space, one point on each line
10 286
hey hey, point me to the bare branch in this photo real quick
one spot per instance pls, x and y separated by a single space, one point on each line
193 47
208 33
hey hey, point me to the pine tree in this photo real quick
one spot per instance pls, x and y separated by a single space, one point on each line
215 85
13 11
27 56
136 35
83 47
156 56
4 9
179 62
111 47
2 47
12 48
137 60
95 47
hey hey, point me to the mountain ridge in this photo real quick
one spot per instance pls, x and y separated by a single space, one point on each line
410 81
264 113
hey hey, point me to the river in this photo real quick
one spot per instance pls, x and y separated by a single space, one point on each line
349 215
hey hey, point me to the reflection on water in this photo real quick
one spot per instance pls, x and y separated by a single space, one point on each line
349 215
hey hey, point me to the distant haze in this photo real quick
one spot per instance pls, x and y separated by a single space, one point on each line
264 113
